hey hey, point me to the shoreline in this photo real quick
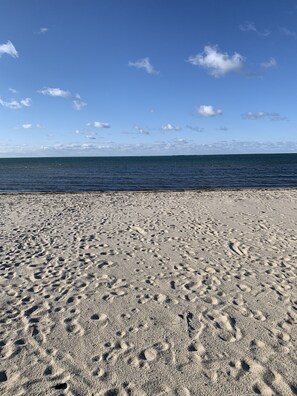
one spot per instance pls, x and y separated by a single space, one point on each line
198 190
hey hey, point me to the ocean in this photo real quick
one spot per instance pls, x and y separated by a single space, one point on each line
78 174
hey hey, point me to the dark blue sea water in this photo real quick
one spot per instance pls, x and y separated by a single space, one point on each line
147 173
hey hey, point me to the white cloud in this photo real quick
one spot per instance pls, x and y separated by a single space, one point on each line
161 147
55 92
170 127
8 49
27 126
27 102
98 124
43 30
287 32
166 147
12 90
14 104
30 126
78 103
269 64
144 64
257 115
250 27
217 63
208 111
87 134
141 130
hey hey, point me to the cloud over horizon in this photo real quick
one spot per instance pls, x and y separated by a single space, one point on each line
217 63
171 147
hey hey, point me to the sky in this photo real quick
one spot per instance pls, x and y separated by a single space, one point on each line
140 77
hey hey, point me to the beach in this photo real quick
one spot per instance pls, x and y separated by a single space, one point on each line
149 293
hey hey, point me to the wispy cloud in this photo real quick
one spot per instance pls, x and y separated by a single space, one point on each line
287 32
250 27
223 129
269 64
196 129
78 103
30 126
208 111
14 104
43 30
258 115
87 134
141 130
57 92
170 127
171 147
145 64
12 90
27 126
217 63
8 49
27 102
99 124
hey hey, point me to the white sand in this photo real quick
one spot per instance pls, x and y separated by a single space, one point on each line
169 293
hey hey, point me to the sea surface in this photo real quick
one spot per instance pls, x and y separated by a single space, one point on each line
77 174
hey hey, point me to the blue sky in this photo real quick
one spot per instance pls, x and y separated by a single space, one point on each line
139 77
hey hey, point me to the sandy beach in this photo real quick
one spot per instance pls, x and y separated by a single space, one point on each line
168 293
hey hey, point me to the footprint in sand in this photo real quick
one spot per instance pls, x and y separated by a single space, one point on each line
114 351
104 264
149 355
224 325
102 319
238 248
73 327
238 369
